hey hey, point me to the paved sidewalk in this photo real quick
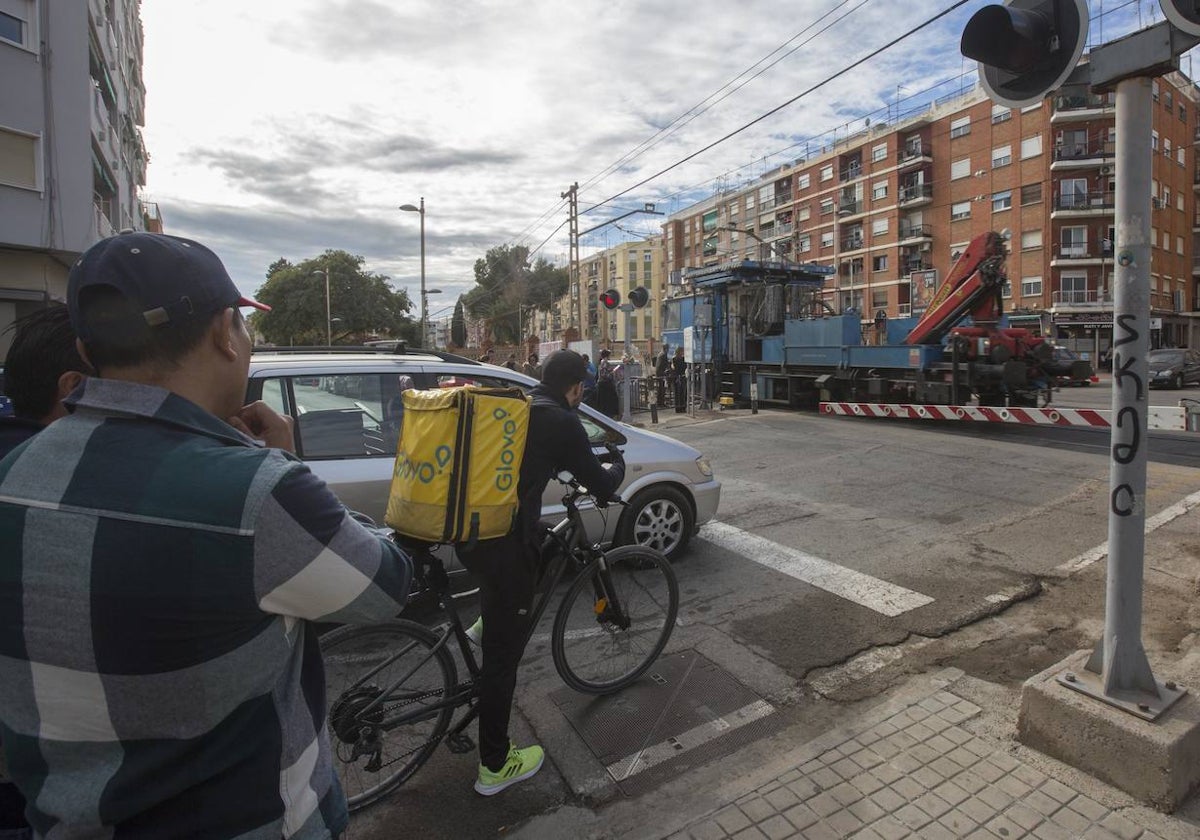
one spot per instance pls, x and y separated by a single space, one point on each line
917 772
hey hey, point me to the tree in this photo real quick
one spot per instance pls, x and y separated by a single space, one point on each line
362 304
507 284
458 325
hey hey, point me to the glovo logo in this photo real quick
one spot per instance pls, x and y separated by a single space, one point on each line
423 471
505 474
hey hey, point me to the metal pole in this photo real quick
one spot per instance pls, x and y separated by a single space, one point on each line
328 317
424 297
1120 658
626 417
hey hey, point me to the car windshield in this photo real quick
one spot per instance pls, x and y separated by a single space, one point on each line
1065 353
1166 357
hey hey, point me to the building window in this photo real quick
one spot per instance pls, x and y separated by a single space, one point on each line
1166 147
1179 156
879 190
13 28
1031 147
18 160
1168 100
879 263
1166 240
1031 287
1154 90
1178 244
1001 200
1154 141
1031 194
1182 112
802 181
1001 156
803 214
1031 239
879 153
960 127
879 227
827 173
827 239
1166 196
804 244
960 169
1000 113
960 210
1074 242
826 206
1073 288
1179 202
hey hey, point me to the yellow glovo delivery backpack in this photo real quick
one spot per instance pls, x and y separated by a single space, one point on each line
457 463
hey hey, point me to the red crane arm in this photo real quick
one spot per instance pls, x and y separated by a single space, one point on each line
973 285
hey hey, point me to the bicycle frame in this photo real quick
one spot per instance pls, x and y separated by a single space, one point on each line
569 536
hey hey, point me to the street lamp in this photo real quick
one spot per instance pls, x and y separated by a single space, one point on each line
425 338
328 320
424 295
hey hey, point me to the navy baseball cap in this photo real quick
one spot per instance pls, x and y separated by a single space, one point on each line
168 279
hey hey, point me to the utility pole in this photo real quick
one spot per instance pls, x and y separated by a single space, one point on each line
572 195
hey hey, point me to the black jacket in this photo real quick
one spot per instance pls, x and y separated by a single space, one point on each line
14 431
557 441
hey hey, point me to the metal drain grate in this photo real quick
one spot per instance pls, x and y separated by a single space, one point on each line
685 712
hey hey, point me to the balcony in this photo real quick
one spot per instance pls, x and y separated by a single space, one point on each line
1078 205
101 208
1195 266
1081 253
910 265
1083 298
913 156
1080 107
852 243
851 172
848 207
908 233
1082 155
914 195
784 229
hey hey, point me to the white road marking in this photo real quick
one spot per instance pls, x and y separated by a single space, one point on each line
872 593
650 756
1153 523
863 666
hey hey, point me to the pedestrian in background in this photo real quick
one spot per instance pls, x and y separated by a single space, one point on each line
42 368
607 402
589 382
679 380
532 368
511 361
662 368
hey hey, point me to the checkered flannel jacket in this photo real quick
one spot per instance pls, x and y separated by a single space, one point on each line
158 675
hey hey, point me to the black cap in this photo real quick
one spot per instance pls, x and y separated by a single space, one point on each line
167 278
564 368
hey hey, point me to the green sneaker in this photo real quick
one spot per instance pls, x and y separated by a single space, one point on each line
475 632
521 765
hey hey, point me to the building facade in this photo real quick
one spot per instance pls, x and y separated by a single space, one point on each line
71 152
893 206
623 268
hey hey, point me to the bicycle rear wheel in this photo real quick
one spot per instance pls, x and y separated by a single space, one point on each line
593 653
361 663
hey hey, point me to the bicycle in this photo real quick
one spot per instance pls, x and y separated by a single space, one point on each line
393 687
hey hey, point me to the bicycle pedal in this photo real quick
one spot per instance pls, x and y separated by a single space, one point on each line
460 743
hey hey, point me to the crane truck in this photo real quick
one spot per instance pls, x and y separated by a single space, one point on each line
764 329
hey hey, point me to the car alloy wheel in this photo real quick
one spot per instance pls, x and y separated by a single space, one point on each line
660 518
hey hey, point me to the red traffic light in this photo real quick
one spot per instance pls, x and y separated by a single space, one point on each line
639 297
610 299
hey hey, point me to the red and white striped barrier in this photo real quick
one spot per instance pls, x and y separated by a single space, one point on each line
1160 416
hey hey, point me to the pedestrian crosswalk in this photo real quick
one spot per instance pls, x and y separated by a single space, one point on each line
879 595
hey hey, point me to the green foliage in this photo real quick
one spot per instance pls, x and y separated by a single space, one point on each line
507 284
363 305
458 325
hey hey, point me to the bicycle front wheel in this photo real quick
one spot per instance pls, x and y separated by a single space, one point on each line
374 673
614 621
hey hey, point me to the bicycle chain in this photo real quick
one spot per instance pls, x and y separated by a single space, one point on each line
391 707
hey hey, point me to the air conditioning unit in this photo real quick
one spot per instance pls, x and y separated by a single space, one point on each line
1158 203
1106 170
926 246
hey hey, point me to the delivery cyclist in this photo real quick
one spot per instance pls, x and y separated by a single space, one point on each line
507 567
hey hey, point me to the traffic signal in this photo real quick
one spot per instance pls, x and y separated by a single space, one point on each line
610 299
1026 48
1183 14
639 297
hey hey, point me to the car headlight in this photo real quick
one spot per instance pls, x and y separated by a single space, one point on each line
704 466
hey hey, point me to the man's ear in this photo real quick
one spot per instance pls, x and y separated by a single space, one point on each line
68 382
223 330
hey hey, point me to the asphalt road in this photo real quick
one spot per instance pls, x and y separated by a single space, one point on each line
839 540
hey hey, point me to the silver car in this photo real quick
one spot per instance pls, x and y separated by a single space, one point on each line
343 405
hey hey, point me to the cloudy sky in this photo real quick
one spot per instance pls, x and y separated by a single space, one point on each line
281 128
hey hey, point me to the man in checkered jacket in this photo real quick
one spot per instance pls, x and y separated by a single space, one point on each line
161 557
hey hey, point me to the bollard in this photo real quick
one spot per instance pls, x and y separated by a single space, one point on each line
653 411
754 390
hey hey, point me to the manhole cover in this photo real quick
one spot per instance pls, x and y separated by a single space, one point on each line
685 712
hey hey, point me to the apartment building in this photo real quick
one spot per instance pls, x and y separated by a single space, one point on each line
893 206
71 151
